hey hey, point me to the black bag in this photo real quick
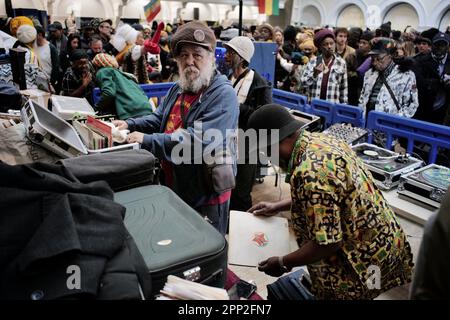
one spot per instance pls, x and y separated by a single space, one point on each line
10 97
294 286
122 170
173 238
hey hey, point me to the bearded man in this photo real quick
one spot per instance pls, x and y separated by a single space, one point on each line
199 112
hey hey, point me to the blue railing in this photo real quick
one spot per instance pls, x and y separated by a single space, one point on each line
415 131
156 90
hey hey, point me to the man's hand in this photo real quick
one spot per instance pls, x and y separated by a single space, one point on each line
271 267
317 70
264 209
120 124
87 78
135 137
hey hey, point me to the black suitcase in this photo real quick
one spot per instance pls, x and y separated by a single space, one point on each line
293 286
122 170
173 238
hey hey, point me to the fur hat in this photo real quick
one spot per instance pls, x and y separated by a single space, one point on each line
26 34
16 22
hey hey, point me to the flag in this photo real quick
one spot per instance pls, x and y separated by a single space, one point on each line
261 6
151 9
269 7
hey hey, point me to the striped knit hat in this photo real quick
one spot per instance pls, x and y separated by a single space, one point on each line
102 60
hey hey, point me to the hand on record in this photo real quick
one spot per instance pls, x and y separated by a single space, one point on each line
271 267
120 124
135 137
264 209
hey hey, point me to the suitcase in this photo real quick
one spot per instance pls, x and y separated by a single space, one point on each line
122 170
293 286
173 238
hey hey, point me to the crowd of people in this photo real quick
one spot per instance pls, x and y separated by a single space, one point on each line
343 222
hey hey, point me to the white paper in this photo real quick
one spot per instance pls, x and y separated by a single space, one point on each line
253 239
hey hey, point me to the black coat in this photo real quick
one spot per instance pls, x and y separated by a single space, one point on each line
429 83
259 94
50 221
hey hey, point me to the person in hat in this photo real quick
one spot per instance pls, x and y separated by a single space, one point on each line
344 226
423 45
202 100
16 22
121 94
325 77
87 31
252 91
384 30
57 37
265 32
387 87
26 36
433 81
77 81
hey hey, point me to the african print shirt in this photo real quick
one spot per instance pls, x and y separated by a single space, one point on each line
335 200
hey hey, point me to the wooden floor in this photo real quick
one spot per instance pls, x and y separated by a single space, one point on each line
267 191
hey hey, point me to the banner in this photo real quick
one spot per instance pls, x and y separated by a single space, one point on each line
151 9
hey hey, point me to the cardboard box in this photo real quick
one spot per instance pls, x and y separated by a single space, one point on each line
38 96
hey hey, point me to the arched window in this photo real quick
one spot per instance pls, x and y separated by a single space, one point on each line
401 16
311 17
445 21
351 16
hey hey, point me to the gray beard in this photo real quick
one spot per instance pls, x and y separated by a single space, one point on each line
194 86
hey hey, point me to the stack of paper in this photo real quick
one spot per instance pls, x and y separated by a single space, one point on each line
253 239
180 289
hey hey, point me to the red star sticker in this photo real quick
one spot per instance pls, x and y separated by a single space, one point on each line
260 239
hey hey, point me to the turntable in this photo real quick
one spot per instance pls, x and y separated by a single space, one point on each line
426 185
386 166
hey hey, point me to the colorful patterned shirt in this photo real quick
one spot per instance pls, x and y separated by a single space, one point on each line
335 200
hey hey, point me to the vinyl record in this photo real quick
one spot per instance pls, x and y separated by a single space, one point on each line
438 177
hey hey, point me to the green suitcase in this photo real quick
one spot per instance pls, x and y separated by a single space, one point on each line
173 238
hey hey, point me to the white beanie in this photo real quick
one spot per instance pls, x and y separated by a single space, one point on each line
26 34
243 47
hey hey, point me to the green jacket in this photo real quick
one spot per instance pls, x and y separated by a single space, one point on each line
121 94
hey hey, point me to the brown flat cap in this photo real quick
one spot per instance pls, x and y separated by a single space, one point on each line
193 32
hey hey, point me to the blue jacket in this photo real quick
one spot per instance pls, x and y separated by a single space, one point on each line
217 108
